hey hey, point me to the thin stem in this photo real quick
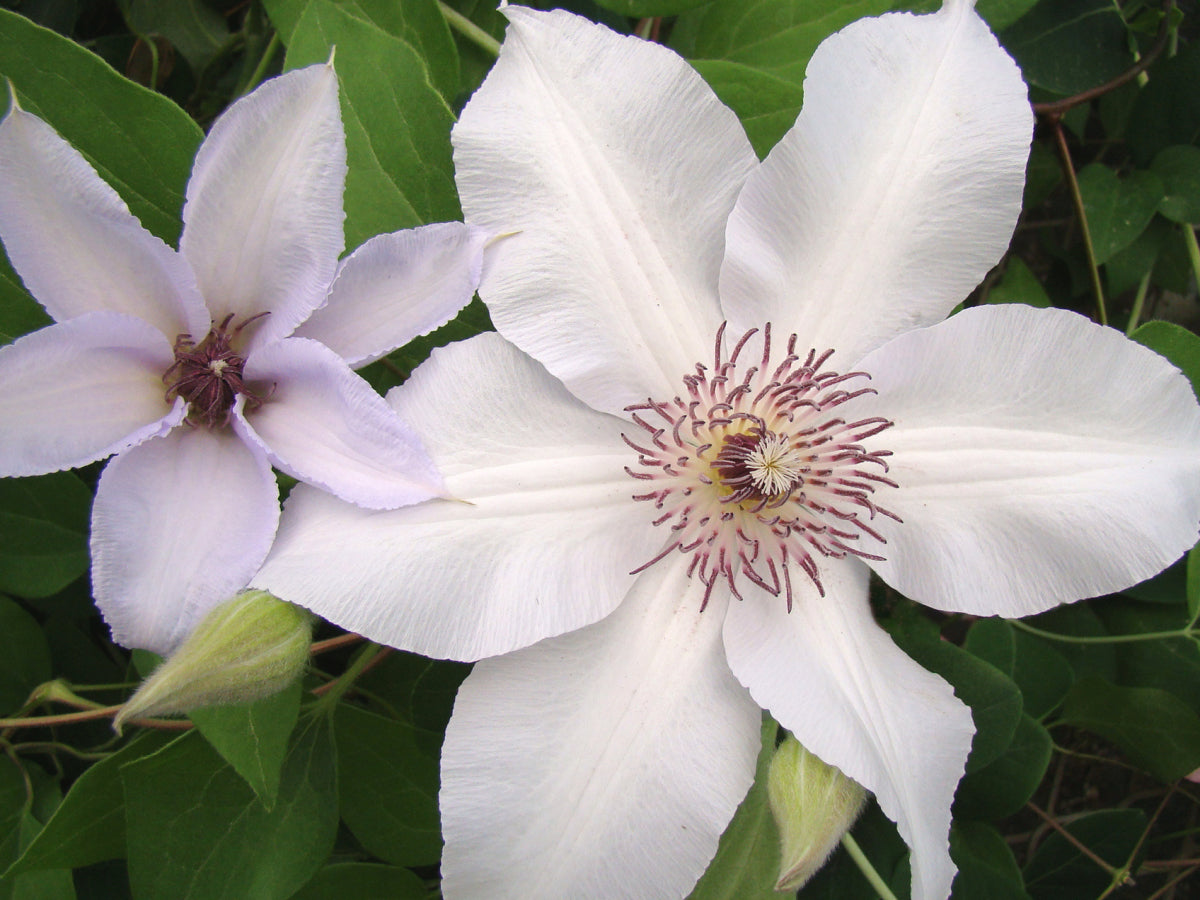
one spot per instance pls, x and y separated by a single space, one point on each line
1139 301
264 62
1060 138
1073 841
864 866
1189 239
470 30
89 715
342 640
367 657
1101 639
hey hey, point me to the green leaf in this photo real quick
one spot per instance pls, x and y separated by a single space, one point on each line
1059 871
766 104
198 832
645 8
1079 620
1193 578
1171 664
43 533
987 869
1155 729
1068 46
994 699
389 787
1180 346
253 737
89 825
363 881
24 655
1003 786
397 124
1167 110
419 23
140 142
195 29
1018 285
420 691
19 312
746 866
776 36
1117 209
1040 671
1179 169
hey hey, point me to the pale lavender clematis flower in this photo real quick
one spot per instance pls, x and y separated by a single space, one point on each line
669 528
203 368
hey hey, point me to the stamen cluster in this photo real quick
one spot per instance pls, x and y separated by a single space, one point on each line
208 375
754 472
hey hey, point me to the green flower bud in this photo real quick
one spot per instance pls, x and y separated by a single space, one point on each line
245 649
814 804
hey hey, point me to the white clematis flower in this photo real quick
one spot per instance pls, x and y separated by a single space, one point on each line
672 521
203 368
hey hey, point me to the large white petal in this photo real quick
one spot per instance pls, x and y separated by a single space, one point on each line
1040 457
540 541
613 166
832 676
396 287
80 390
74 242
601 764
263 218
179 525
322 424
895 192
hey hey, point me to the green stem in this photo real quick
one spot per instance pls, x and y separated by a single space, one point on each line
261 69
864 866
1102 639
1139 301
331 693
470 30
1085 232
1189 238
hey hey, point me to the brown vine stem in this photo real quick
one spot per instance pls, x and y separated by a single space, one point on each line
1072 840
1060 138
342 640
1058 108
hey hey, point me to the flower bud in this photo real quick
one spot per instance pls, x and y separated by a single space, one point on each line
814 804
245 649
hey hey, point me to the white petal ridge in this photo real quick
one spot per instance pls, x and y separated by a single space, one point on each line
601 764
832 676
893 194
539 540
611 168
1041 459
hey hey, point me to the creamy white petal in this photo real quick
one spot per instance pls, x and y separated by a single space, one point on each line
179 525
540 540
895 192
263 218
832 676
601 764
1040 457
396 287
613 167
74 242
322 424
80 390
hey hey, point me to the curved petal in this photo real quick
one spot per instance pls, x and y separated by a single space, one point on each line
74 242
895 192
179 525
540 541
396 287
324 425
1040 457
263 218
832 676
601 764
613 167
81 390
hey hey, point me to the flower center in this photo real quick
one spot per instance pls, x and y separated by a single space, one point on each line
208 375
754 473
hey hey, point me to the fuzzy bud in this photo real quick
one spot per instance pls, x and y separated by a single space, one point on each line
814 804
245 649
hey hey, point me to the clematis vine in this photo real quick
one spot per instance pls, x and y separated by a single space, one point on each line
719 398
202 368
